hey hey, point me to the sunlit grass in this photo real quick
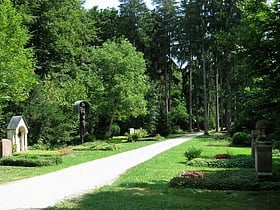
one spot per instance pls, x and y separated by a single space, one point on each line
146 187
12 173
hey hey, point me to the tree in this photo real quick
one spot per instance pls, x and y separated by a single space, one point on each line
257 38
61 38
121 70
16 62
105 24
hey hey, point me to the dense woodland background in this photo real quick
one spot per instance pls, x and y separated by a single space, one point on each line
214 63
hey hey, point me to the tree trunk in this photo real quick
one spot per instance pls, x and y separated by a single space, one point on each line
217 102
190 99
228 104
206 118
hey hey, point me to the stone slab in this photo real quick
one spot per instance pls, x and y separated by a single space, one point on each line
6 148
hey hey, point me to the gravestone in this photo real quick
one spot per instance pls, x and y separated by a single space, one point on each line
131 131
263 150
6 148
254 135
17 131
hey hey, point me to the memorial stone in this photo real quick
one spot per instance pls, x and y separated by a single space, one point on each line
263 150
6 148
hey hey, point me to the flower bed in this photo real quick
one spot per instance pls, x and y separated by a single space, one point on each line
222 156
191 174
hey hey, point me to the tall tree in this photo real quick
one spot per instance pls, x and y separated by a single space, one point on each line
186 49
105 23
121 70
132 15
16 61
257 39
61 36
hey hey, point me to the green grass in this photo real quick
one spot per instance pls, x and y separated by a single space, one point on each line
146 186
12 173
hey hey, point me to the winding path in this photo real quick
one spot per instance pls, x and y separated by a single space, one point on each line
46 190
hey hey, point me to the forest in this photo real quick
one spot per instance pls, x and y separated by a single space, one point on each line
184 65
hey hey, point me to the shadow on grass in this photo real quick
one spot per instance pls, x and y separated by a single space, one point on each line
228 179
157 195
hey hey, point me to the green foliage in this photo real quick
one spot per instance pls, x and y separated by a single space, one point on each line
192 152
137 135
97 145
16 61
34 153
241 139
52 123
226 180
114 130
33 159
233 162
179 116
121 72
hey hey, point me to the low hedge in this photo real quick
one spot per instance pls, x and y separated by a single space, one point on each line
33 159
226 180
233 162
97 145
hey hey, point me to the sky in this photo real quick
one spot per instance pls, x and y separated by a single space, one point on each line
102 4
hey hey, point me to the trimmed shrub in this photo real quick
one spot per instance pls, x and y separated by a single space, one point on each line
31 161
226 180
192 152
241 139
234 162
97 145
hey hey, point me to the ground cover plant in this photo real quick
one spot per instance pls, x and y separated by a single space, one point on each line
146 186
229 167
33 158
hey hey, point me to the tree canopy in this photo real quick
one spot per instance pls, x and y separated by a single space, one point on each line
190 64
16 61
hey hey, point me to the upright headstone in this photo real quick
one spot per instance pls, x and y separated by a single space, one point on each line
254 134
131 131
263 150
6 148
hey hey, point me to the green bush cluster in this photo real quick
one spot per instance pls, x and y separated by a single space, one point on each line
226 180
31 159
97 145
234 162
241 139
192 152
137 135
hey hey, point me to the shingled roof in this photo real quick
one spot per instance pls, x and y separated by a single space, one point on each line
14 122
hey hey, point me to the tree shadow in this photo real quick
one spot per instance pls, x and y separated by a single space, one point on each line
158 195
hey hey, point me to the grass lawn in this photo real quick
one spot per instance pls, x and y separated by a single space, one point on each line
146 186
12 173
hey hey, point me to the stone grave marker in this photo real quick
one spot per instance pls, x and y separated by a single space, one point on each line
6 148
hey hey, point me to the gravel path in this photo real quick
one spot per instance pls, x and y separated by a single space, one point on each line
46 190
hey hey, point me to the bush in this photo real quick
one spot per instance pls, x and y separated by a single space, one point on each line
33 159
97 145
241 139
115 130
137 135
234 162
226 180
192 153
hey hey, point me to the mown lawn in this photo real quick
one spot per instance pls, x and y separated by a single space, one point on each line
12 173
147 186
